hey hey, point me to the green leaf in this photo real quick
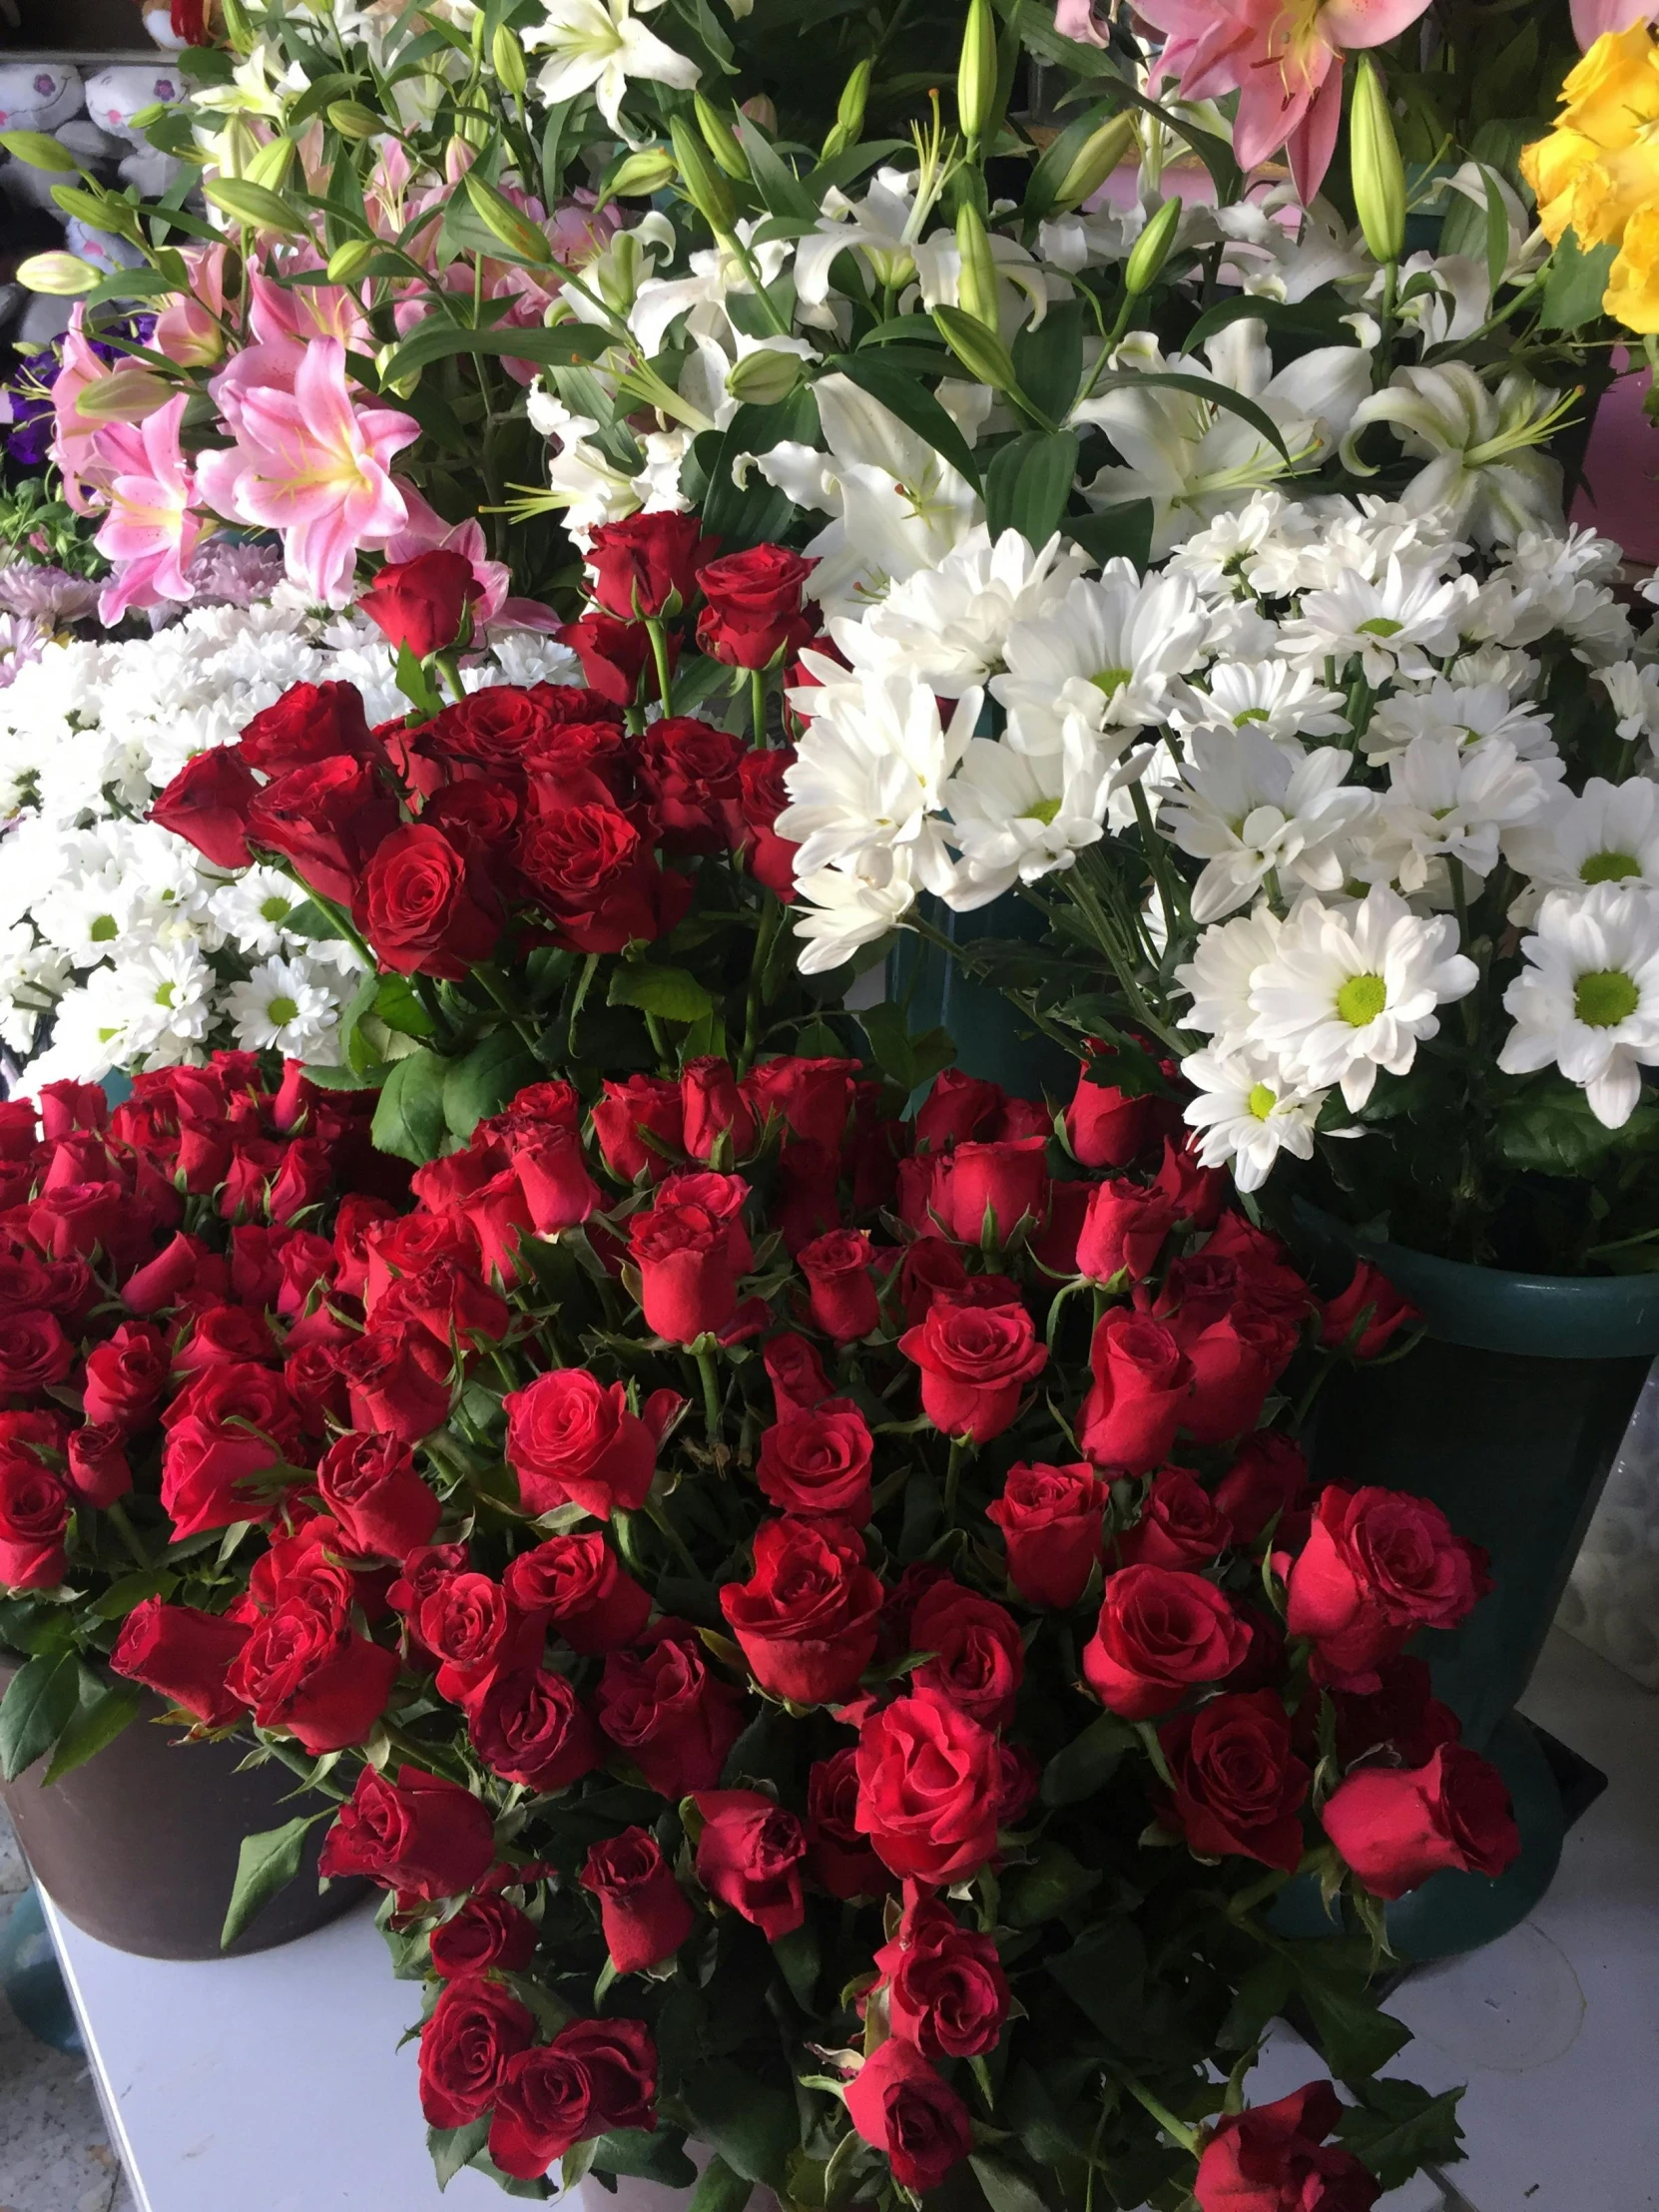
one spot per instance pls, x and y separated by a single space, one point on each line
908 1060
409 1120
1399 2128
1261 1996
456 2147
797 1954
490 1077
1123 531
1006 2188
752 2126
1104 1975
913 404
1029 483
660 2156
1048 358
307 920
1355 2036
265 1864
570 345
1547 1127
99 1721
1053 1884
399 1005
346 1079
37 1705
132 1590
776 182
38 151
669 993
1088 1761
1576 281
720 2189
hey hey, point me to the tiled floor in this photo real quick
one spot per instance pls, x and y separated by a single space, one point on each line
55 2154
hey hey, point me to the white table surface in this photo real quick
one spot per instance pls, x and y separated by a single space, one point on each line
275 2083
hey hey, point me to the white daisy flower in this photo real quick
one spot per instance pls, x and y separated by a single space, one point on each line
1019 817
1609 833
252 908
283 1006
840 911
1250 809
1588 1000
1247 1113
870 772
1633 689
1447 802
1391 624
1266 695
1107 656
948 625
1223 967
1460 714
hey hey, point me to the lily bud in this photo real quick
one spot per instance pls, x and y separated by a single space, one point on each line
764 377
761 109
976 285
126 394
618 271
401 386
1094 162
254 206
1151 249
271 164
980 352
1379 175
701 181
516 231
347 263
458 157
976 73
850 112
507 60
644 174
720 140
60 274
39 152
353 121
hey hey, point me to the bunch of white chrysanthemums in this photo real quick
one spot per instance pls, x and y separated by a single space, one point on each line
121 947
1333 710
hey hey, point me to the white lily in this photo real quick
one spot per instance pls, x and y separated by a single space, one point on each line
596 46
1485 474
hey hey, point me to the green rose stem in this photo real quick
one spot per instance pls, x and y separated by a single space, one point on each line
758 707
658 1513
1178 2130
711 1401
658 653
128 1533
963 1450
496 984
771 914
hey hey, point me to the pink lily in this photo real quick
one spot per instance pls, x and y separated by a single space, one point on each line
1283 57
186 329
1593 19
72 437
310 463
150 531
301 313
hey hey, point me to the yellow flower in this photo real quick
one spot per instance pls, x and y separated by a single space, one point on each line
1553 168
1614 90
1618 187
1633 284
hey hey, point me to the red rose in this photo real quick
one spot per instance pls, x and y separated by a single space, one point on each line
1378 1565
900 2105
206 804
1161 1631
1367 1316
749 1857
754 607
1141 1381
687 1283
326 819
476 2026
713 1108
663 1709
486 1932
1179 1524
1397 1826
371 1486
426 905
1052 1521
183 1655
554 1178
1197 1194
1400 1715
647 564
960 1109
594 2077
126 1377
1105 1127
421 1835
1124 1229
762 797
1268 1474
927 1789
645 1914
795 1373
34 1354
1233 1361
978 1657
393 1379
230 1425
98 1470
575 1580
946 1991
304 1669
463 1624
724 1197
421 604
1238 1785
34 1518
1274 2158
838 1857
819 1463
808 1617
527 1725
590 869
991 1188
976 1362
639 1127
841 1284
571 1438
812 1098
612 655
309 723
689 773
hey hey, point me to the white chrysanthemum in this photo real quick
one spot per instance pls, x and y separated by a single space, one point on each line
1219 557
285 1006
1447 802
1609 833
1223 968
1633 689
1346 993
1391 624
1269 695
1247 1113
1335 537
1107 657
1250 808
1588 1000
947 626
1017 817
1459 712
252 908
869 773
840 911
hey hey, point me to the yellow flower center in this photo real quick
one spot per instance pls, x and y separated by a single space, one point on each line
1360 999
1604 999
1261 1101
1609 868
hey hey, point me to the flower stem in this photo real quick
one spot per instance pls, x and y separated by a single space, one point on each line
1176 2130
122 1523
711 1401
771 914
757 706
658 653
963 1450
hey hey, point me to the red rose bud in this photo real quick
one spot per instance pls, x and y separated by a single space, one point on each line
305 1670
592 2077
841 1284
575 1582
612 655
665 1711
527 1726
947 1990
819 1463
1401 1715
754 607
206 804
978 1656
960 1109
713 1108
992 1188
571 1438
1378 1565
98 1470
689 771
392 1384
901 2106
486 1932
1397 1826
812 1098
808 1617
1179 1524
647 564
722 1198
976 1362
688 1282
33 1520
309 723
554 1178
476 2028
1238 1788
839 1859
1367 1316
426 905
1276 2155
1052 1521
421 1835
749 1857
1161 1631
1141 1381
928 1779
183 1656
645 1914
768 858
422 603
795 1373
1123 1230
931 1268
1105 1127
228 1427
1197 1194
639 1127
1235 1363
1268 1474
326 819
592 871
125 1378
373 1490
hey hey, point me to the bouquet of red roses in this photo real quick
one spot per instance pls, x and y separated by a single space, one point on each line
838 1647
